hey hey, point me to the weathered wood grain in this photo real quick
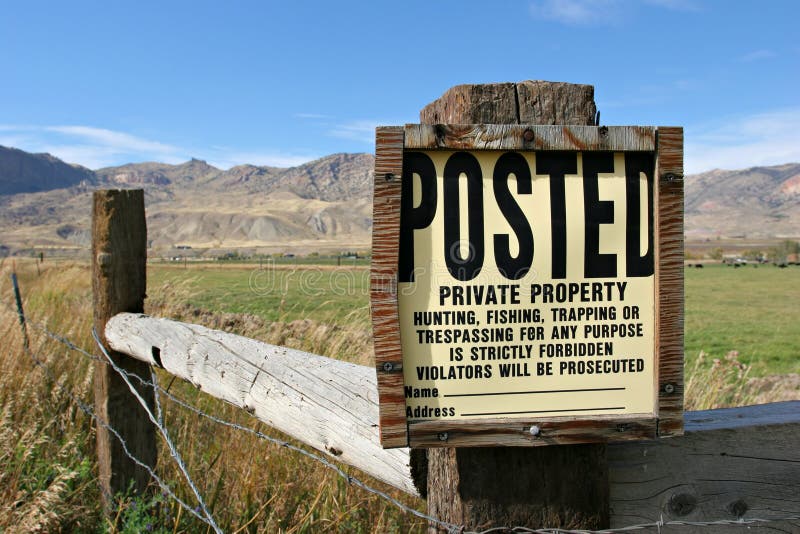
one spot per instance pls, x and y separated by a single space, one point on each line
669 280
526 102
473 104
328 404
517 432
529 137
730 464
383 284
541 102
119 255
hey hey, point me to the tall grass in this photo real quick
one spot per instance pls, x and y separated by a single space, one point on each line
718 383
48 479
48 475
47 482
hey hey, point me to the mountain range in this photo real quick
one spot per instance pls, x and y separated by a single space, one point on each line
324 205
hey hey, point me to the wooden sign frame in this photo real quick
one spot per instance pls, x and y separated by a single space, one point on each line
667 145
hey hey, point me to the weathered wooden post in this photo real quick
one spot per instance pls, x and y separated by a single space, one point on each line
532 312
119 256
564 486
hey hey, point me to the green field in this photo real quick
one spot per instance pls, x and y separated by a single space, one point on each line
752 310
282 293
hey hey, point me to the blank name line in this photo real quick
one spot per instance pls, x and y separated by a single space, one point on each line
532 392
546 411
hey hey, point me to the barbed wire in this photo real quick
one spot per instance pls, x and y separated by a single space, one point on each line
449 527
126 375
52 335
86 409
163 431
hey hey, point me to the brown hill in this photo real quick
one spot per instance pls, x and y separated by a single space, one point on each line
758 202
22 172
322 205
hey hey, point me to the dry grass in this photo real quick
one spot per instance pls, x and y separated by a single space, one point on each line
725 383
46 442
722 384
47 482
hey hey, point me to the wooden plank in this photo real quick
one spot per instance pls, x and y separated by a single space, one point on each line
383 285
544 102
730 464
119 256
473 104
526 102
775 413
528 137
669 280
517 432
328 404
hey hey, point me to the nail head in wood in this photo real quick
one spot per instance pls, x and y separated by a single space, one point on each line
528 135
535 431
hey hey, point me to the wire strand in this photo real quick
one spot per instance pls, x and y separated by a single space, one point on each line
449 527
164 434
85 408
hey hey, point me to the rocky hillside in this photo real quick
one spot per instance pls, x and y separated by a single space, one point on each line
332 178
322 205
21 172
755 202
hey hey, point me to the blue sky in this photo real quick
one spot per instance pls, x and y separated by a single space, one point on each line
269 83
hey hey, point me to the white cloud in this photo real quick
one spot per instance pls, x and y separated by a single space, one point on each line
598 12
113 140
757 55
575 12
767 138
675 5
89 146
95 148
362 131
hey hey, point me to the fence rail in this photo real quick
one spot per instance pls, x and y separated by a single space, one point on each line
731 465
328 404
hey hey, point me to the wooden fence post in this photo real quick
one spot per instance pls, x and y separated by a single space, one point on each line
119 257
562 486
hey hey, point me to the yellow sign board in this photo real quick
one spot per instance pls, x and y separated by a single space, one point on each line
526 284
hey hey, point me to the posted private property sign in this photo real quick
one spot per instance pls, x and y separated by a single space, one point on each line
527 284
